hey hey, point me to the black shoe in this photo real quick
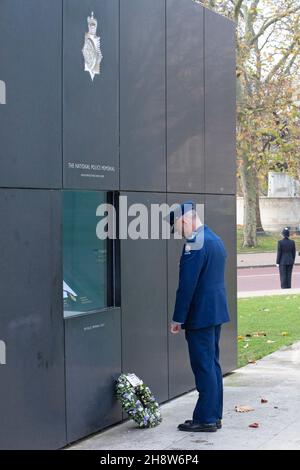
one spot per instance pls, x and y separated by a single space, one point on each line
218 423
197 427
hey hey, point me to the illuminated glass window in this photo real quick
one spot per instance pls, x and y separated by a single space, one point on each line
87 260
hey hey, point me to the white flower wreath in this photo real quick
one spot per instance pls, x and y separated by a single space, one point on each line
137 400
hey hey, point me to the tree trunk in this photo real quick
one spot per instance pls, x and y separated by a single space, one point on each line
259 227
248 178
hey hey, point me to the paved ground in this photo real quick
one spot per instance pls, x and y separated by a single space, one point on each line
259 259
275 378
264 279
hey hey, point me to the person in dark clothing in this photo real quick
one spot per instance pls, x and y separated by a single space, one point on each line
286 254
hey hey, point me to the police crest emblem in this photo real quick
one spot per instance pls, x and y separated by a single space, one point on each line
91 50
187 249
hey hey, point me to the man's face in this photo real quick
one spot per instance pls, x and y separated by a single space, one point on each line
184 226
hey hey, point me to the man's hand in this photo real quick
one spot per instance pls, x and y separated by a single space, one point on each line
175 328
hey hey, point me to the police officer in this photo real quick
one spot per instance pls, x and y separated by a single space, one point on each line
200 309
286 254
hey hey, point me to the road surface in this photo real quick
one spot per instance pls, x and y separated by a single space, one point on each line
265 278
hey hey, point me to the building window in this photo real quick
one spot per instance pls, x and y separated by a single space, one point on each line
89 264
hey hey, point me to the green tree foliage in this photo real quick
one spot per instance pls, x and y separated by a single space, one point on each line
268 87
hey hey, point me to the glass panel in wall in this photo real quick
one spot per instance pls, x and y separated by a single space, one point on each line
86 258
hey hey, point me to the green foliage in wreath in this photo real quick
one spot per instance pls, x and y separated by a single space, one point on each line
138 402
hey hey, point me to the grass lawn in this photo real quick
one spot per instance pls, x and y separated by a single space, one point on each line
277 316
266 242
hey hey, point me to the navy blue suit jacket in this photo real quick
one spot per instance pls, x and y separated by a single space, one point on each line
201 298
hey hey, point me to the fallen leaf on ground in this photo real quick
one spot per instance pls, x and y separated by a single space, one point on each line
248 335
270 341
243 408
263 400
254 425
285 333
257 334
246 346
240 338
251 361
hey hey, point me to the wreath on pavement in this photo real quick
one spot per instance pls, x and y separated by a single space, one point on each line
137 400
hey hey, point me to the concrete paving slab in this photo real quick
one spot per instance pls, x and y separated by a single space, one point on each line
275 378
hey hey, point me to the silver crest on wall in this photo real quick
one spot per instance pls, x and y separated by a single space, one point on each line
92 48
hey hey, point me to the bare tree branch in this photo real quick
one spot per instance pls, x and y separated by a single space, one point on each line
280 63
290 65
267 39
272 21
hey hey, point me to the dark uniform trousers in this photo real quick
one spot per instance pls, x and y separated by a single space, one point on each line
285 271
203 344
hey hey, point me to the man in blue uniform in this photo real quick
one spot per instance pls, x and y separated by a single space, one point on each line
201 308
